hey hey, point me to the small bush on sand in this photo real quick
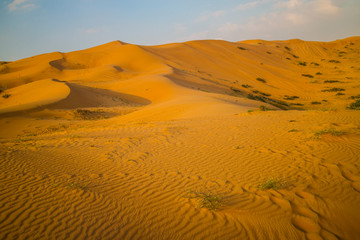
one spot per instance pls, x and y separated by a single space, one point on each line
355 105
271 183
207 200
330 131
261 80
6 95
333 90
307 75
241 48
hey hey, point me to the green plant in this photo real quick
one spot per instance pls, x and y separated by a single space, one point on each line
302 63
331 81
355 97
290 97
318 73
241 48
207 200
261 80
293 130
333 90
315 103
340 94
6 95
246 86
271 183
330 131
287 48
307 75
264 108
355 105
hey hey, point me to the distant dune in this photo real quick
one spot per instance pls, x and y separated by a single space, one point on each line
122 141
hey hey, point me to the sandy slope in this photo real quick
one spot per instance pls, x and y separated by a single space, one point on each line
105 143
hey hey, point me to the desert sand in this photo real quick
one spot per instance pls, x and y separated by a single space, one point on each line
122 141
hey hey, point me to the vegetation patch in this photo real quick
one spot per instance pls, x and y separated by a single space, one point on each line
242 48
261 80
208 200
6 95
355 105
271 183
264 108
85 114
262 93
235 90
334 61
331 81
318 73
307 75
302 63
315 103
290 97
340 94
355 97
333 90
331 131
287 48
315 64
246 86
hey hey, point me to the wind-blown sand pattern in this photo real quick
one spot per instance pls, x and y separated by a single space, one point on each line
105 143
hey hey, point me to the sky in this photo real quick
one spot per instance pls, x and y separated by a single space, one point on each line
32 27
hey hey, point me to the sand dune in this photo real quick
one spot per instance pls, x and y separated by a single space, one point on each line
114 142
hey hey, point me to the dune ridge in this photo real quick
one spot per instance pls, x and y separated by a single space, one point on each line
107 142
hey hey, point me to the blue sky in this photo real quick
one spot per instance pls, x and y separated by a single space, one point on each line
31 27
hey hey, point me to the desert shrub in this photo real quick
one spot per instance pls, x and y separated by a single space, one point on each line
241 48
268 52
314 63
294 56
6 95
330 131
262 93
290 97
287 48
355 97
334 61
302 63
85 114
333 90
271 183
264 108
246 86
355 105
261 80
235 89
315 103
207 200
288 58
307 75
318 73
331 81
340 94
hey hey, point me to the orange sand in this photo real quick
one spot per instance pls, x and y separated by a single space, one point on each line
105 143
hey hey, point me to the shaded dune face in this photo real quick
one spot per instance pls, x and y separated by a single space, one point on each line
182 141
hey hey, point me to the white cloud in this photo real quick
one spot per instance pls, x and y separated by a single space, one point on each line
180 28
215 14
228 27
245 6
325 7
21 4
